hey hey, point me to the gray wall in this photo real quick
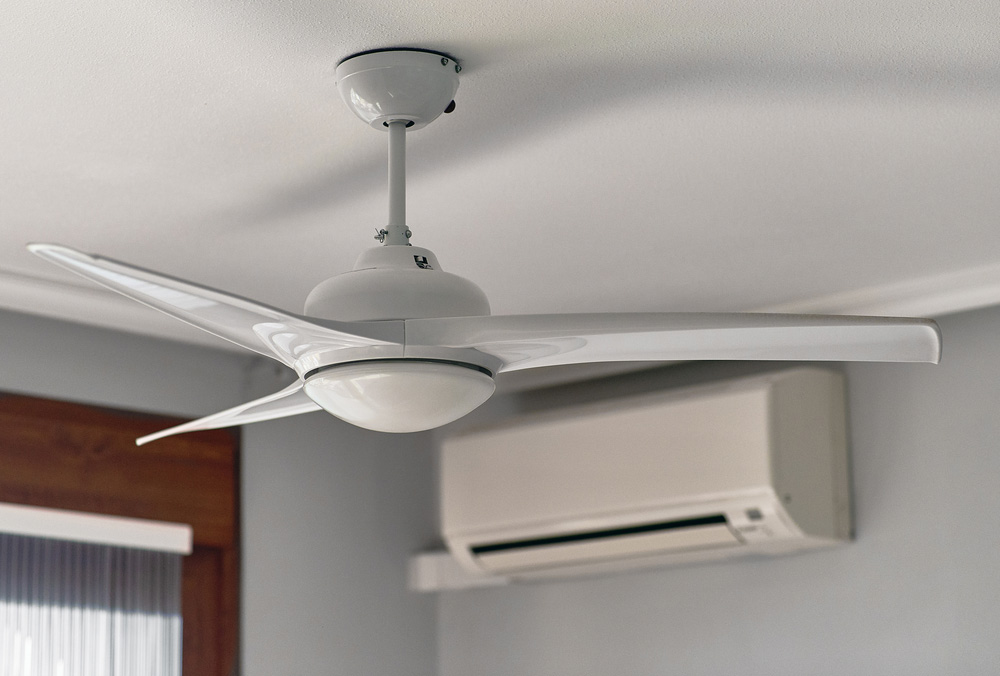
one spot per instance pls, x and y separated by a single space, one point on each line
43 357
917 593
330 513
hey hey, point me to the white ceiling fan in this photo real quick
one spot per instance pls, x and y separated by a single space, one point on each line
398 345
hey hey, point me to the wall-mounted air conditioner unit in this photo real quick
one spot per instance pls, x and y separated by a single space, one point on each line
752 466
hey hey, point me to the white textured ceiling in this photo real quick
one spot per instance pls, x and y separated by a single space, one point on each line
629 156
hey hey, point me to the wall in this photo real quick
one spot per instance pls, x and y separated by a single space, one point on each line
917 593
48 358
330 513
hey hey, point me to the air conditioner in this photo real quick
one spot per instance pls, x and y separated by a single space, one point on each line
752 466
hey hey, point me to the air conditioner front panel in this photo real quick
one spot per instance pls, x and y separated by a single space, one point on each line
602 460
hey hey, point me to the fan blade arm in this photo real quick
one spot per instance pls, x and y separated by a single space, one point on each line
288 402
532 341
269 331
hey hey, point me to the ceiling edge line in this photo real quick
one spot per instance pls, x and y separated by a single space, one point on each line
96 307
933 296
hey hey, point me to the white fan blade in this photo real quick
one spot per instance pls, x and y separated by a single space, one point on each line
530 341
266 330
289 401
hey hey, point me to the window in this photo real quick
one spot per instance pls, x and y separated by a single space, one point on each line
82 609
74 457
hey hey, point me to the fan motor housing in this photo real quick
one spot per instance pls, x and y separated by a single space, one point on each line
396 282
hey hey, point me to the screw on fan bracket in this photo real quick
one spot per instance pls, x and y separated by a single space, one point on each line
382 233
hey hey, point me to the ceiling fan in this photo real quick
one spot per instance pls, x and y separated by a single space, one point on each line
398 345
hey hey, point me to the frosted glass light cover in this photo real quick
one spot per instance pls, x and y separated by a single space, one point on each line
399 396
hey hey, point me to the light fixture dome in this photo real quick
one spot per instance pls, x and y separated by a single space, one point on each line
399 395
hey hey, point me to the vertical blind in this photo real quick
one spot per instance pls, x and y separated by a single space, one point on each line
82 609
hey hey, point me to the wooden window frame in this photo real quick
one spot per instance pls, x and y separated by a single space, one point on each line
84 458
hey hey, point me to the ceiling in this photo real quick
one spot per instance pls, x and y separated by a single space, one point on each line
629 156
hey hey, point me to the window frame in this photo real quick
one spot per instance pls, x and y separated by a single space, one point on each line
80 457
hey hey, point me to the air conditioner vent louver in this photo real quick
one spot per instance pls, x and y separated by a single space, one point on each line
666 536
613 533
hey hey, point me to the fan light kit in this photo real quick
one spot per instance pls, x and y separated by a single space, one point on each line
399 345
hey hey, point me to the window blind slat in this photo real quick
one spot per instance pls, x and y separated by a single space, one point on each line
81 609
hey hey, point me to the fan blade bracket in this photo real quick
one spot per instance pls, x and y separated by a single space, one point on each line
456 355
371 340
388 332
331 357
464 356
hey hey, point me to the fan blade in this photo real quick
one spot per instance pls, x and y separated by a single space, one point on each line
266 330
530 341
289 401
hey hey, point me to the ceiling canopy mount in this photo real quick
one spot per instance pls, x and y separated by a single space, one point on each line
409 85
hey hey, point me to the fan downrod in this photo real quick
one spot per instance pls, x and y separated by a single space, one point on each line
398 90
